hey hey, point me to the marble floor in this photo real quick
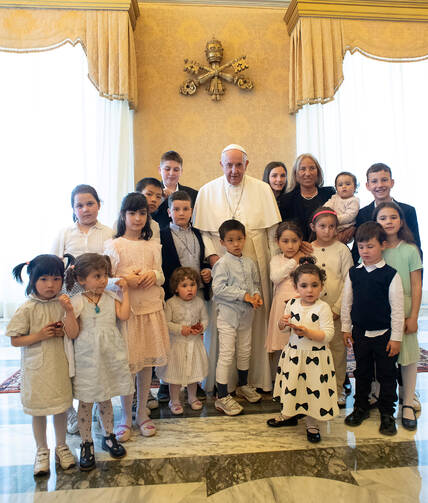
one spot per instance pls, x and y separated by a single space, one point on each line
204 456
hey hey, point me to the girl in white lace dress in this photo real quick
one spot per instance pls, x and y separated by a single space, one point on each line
138 259
187 319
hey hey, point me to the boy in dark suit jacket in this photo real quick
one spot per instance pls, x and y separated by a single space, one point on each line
170 169
182 246
380 183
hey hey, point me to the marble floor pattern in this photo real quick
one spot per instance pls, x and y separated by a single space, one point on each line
204 456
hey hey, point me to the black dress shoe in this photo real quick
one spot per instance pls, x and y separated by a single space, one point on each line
163 393
200 393
111 445
277 423
409 424
313 436
356 417
87 457
387 425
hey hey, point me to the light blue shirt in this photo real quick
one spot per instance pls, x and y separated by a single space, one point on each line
233 277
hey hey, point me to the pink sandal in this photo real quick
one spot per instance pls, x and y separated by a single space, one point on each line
123 432
176 408
196 404
147 428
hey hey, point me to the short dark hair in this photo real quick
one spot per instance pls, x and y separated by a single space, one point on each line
84 265
42 265
346 173
230 225
370 230
307 266
134 201
180 274
172 155
379 166
180 195
148 180
83 189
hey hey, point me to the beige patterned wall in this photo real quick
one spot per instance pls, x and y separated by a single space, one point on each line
195 126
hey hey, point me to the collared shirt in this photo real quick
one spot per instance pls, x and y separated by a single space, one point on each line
233 277
76 242
396 301
187 246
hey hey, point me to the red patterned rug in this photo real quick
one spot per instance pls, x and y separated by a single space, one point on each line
12 383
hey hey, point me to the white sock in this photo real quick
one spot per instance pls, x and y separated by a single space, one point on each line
60 425
144 381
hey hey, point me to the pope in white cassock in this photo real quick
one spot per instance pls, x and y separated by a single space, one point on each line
251 201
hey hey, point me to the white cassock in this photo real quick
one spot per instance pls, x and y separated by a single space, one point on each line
252 203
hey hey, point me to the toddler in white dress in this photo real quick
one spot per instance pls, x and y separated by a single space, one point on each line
187 320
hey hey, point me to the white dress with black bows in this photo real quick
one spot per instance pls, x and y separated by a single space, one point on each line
305 380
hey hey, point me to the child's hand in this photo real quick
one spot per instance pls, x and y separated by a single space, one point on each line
123 284
197 328
147 279
393 348
300 330
410 325
65 302
185 330
206 275
347 339
283 321
48 331
132 280
336 316
306 249
258 300
248 298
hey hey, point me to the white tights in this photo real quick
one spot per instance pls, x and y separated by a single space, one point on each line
39 430
408 375
144 380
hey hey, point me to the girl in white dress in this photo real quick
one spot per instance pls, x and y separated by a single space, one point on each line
187 320
37 328
137 258
305 381
289 237
101 361
85 235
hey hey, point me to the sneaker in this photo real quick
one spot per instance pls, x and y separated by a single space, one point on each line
72 424
41 463
87 457
64 458
163 393
111 445
341 401
228 405
249 393
152 402
357 416
387 425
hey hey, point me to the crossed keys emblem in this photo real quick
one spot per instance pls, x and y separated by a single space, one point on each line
215 73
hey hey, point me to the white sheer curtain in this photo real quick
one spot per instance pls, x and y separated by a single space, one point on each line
379 114
55 132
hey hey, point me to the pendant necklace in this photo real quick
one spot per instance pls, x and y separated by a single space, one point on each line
239 200
97 307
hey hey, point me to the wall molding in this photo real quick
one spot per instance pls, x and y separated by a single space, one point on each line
69 4
258 4
380 10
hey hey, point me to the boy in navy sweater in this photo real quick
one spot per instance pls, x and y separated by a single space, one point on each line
373 304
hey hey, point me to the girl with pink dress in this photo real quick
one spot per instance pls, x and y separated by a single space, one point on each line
137 258
289 237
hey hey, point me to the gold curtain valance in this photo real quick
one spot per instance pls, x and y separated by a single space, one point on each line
106 37
318 46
